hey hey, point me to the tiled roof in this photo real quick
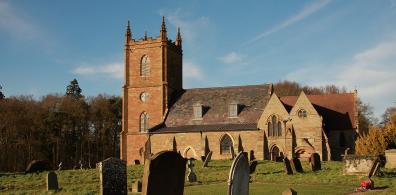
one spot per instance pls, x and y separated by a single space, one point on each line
251 100
337 110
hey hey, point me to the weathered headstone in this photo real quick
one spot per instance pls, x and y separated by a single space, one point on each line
390 156
374 169
52 181
315 162
288 168
164 173
289 191
207 159
38 166
296 163
232 152
191 177
252 166
113 176
238 180
137 186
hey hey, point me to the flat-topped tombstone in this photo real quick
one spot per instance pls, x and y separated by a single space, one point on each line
288 168
296 163
52 181
359 165
113 176
315 162
238 180
164 173
289 191
207 159
390 156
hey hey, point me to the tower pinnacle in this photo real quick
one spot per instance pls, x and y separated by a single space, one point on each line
178 38
163 29
128 33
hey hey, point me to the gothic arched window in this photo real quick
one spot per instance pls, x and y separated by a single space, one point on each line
274 127
144 122
145 66
270 130
274 122
225 144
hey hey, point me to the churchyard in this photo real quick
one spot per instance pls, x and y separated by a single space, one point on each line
268 178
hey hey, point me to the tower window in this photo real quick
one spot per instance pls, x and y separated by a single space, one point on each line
302 113
144 122
145 66
197 109
233 110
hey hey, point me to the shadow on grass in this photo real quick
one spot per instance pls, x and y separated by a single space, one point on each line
268 173
381 188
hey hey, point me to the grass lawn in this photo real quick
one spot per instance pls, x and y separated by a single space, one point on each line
269 178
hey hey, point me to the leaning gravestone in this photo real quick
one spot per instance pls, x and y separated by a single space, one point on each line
238 180
113 176
52 181
207 159
296 163
374 169
288 168
315 162
164 174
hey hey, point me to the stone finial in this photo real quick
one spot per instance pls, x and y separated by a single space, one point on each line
178 38
163 29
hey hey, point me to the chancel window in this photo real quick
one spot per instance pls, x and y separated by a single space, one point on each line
197 109
144 122
274 127
145 66
225 144
233 110
302 113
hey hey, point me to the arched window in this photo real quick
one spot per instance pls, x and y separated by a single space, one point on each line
302 113
144 122
145 66
225 144
274 127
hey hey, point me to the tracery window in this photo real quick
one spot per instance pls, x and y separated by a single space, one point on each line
145 66
225 144
274 127
144 122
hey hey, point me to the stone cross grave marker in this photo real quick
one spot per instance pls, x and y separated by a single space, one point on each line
296 163
164 173
315 162
288 168
52 181
113 176
207 159
191 177
238 180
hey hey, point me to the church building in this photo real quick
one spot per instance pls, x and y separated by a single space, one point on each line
159 114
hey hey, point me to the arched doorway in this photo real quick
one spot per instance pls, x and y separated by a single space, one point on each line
276 154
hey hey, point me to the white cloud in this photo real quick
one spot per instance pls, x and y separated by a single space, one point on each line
15 25
305 12
371 71
114 70
191 71
232 58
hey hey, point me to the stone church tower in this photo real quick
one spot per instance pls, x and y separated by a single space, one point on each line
153 74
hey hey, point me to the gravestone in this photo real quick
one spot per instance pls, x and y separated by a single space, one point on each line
232 152
137 186
191 177
252 166
288 168
359 165
238 180
207 159
296 163
374 169
52 181
289 191
38 166
251 156
113 176
315 162
164 173
390 156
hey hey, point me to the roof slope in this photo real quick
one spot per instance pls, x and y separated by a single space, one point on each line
251 100
337 110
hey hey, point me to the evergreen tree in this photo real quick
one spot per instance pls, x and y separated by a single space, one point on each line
1 93
73 89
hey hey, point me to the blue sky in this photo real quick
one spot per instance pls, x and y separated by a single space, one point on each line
45 44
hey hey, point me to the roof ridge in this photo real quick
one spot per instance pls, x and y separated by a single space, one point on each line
228 87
